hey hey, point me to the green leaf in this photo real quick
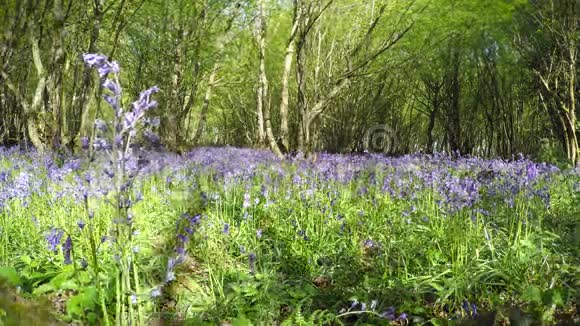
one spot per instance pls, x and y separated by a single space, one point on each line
26 259
84 277
44 288
438 322
61 278
10 275
77 304
69 285
532 294
554 297
242 321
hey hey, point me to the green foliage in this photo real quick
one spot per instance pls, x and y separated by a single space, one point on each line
10 275
552 153
84 305
497 47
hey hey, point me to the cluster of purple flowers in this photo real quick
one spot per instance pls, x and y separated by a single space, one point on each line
124 126
458 184
470 309
54 238
185 228
463 184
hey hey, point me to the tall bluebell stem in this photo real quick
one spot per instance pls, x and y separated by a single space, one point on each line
114 139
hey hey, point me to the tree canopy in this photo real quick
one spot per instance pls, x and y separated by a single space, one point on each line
488 78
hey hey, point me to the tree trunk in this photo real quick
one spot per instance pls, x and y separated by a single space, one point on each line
55 79
261 91
174 104
33 122
301 106
571 127
84 124
431 126
205 106
222 41
284 129
453 95
263 79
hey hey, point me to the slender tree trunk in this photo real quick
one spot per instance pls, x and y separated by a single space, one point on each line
260 116
205 105
321 104
55 78
453 94
222 41
260 37
301 105
171 124
118 25
84 125
573 139
431 126
33 122
263 80
32 109
284 129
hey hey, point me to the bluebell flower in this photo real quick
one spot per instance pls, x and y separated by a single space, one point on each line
252 262
66 250
531 172
182 237
54 238
3 176
353 304
74 165
155 293
113 86
109 172
470 309
118 140
389 314
369 243
85 143
94 60
133 299
100 125
152 137
170 275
